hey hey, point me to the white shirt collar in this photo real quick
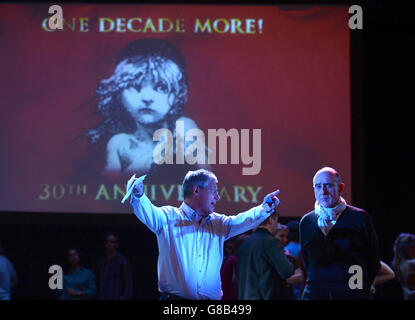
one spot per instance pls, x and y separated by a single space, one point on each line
190 213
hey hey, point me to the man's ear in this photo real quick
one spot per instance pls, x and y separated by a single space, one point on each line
341 187
196 190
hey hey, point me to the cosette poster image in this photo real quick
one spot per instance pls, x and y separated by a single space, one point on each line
260 95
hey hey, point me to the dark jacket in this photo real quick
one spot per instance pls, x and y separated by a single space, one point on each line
262 268
327 259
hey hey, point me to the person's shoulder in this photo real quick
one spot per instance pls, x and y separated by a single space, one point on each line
5 260
171 211
358 212
215 215
120 256
356 209
263 235
307 217
87 271
120 138
123 258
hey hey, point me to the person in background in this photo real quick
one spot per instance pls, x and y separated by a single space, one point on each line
8 276
78 282
228 272
384 275
293 247
114 273
262 265
404 263
282 235
297 278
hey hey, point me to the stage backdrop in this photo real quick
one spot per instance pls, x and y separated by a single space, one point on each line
79 115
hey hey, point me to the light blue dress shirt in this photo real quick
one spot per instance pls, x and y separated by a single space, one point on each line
190 255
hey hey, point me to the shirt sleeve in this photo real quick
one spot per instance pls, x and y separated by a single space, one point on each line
153 217
245 221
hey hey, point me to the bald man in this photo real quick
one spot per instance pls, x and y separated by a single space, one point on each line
339 245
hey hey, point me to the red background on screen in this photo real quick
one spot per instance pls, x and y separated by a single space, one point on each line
292 81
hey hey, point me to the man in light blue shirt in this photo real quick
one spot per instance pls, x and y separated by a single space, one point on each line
190 238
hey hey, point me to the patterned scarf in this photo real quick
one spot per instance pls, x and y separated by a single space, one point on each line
327 217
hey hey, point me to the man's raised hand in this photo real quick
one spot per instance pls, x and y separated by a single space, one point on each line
271 201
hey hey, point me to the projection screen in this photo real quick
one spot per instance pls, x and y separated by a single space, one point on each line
260 95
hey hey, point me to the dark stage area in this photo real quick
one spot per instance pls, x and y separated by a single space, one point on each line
382 159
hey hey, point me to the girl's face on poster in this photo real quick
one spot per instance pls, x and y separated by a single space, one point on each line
148 103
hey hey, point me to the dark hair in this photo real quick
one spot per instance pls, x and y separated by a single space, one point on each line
199 178
65 254
153 47
401 251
